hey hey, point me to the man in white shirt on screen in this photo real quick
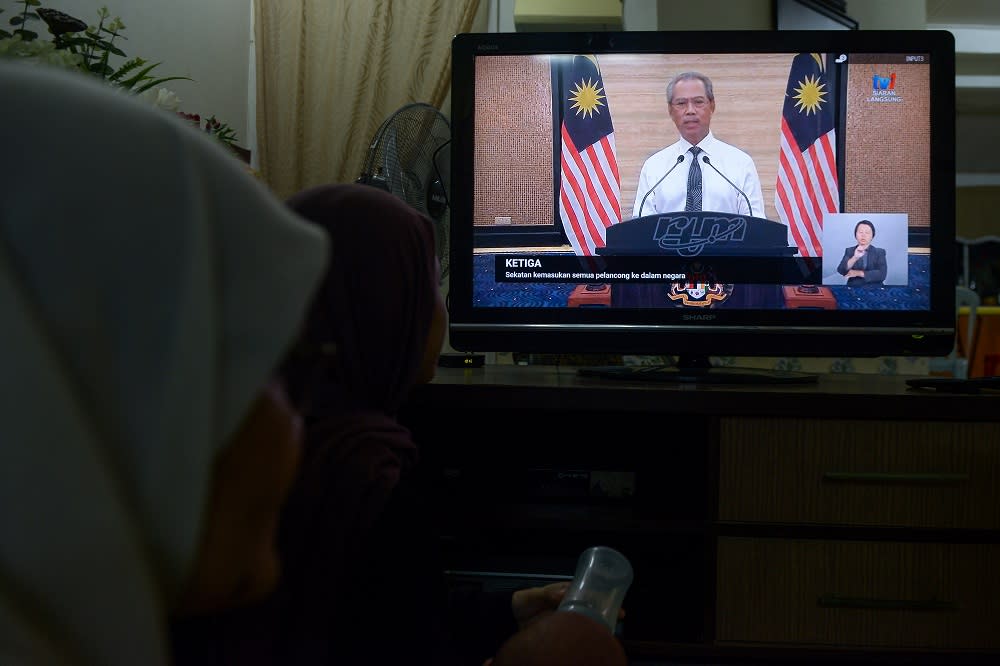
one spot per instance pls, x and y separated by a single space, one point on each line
691 103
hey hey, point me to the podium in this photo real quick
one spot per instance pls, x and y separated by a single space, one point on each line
696 236
811 297
590 296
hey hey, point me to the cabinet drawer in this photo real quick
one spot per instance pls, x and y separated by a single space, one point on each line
858 472
865 594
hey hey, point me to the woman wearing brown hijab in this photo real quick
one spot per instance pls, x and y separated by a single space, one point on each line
362 580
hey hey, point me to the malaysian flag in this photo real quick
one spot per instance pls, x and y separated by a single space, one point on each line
807 164
589 184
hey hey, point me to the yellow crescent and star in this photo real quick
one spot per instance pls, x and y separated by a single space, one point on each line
586 96
810 94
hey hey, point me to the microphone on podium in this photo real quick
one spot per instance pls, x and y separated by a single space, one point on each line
680 158
704 158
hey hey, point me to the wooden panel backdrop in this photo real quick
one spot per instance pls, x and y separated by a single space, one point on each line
887 162
749 93
514 96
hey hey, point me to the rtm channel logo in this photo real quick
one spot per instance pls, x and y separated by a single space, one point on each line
880 82
884 88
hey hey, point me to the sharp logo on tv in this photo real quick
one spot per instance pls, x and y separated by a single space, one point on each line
701 316
884 88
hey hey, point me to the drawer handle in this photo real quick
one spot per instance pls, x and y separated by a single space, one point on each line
837 601
890 477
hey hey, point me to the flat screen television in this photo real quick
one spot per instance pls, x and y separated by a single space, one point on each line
820 222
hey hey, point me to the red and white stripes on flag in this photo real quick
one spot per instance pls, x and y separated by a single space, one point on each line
806 188
590 192
589 184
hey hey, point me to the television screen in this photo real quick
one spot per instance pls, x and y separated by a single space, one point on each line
753 193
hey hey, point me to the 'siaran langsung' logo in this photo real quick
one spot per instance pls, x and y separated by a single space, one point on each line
884 88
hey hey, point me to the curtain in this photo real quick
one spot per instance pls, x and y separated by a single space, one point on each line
330 71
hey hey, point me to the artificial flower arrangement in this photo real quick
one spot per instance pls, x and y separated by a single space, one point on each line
92 49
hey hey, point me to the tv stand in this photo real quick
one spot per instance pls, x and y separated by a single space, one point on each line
696 369
852 520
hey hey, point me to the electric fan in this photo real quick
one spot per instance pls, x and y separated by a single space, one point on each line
409 157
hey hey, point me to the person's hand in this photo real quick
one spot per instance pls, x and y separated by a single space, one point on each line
529 603
858 253
533 602
855 272
561 639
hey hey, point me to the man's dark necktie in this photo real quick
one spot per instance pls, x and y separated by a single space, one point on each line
694 182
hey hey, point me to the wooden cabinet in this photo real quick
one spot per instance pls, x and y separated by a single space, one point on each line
860 472
852 519
885 591
858 593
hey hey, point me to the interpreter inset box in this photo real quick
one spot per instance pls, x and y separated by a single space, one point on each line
889 235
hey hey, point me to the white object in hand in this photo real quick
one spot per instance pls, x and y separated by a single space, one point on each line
603 576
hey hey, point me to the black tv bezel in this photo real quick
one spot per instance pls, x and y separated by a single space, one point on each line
787 332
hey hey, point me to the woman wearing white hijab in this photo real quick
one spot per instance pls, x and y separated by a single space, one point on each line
149 287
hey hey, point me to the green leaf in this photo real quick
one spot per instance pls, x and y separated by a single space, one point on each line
118 34
72 42
18 19
107 49
26 35
226 136
142 81
101 69
141 75
33 3
100 42
126 67
155 82
76 38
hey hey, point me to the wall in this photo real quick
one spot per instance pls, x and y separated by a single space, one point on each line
206 41
976 142
889 14
209 42
668 15
715 15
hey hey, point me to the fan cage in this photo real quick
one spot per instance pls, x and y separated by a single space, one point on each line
410 158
